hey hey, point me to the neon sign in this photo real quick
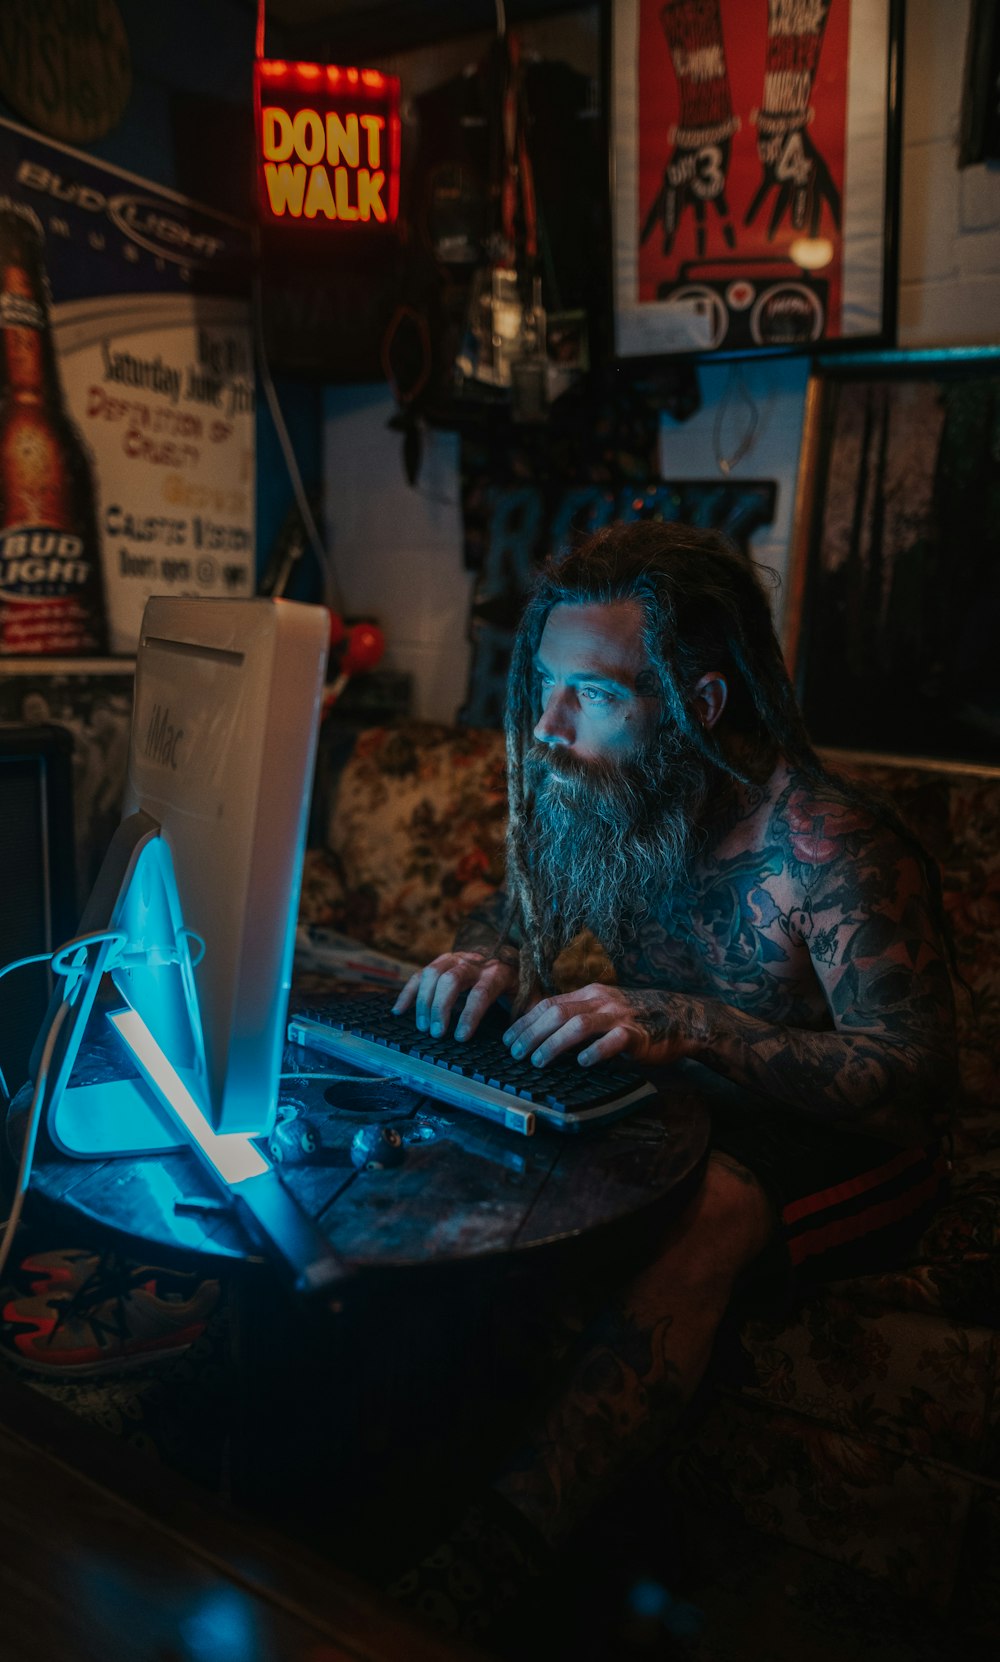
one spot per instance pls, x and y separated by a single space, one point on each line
327 144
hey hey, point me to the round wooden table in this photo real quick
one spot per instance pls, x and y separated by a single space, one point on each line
465 1188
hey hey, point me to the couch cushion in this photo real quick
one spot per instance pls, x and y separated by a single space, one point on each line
416 837
911 1382
895 1515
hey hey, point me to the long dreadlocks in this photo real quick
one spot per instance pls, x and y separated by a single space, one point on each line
704 608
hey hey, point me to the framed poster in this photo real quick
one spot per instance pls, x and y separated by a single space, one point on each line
125 319
754 169
894 593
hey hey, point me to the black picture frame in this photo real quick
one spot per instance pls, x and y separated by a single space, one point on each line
714 300
894 575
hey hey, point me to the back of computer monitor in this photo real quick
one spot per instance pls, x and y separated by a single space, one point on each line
225 721
228 696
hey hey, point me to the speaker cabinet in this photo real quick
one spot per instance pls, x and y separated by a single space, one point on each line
38 906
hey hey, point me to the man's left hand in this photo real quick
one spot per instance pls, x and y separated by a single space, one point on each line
652 1027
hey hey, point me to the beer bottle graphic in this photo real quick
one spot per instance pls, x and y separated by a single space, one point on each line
51 581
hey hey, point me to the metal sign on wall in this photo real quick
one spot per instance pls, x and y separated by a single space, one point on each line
327 144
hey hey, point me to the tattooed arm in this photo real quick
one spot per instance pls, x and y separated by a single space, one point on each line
890 1059
889 1055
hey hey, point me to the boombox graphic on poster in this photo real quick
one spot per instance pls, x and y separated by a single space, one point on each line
750 172
746 303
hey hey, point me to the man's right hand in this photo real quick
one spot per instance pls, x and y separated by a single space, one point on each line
436 989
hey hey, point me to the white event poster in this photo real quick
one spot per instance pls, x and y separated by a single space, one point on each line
150 318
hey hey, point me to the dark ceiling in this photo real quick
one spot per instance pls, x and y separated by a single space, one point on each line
385 26
296 13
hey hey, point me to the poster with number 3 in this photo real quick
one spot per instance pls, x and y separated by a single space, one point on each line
754 146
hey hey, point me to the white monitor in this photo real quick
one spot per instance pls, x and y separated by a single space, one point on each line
228 697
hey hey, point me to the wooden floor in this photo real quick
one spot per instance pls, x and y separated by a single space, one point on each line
104 1554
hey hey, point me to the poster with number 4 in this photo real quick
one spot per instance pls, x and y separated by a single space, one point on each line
754 144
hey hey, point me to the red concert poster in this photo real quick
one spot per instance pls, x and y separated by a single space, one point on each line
743 80
740 127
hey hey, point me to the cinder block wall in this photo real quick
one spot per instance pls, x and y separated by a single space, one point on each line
400 551
949 253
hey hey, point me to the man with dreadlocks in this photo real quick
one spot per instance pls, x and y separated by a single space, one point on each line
761 916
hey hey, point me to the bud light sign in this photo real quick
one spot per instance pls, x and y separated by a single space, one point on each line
127 428
37 560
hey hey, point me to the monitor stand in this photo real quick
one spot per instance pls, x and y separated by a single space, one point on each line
157 1112
119 1116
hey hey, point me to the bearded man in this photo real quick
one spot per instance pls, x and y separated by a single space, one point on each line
762 917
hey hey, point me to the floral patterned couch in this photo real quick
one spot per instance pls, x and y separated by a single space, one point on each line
867 1427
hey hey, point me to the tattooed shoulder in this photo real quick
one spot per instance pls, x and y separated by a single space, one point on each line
822 831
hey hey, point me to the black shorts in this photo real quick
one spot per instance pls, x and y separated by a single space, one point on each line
845 1204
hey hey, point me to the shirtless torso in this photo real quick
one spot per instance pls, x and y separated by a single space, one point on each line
806 915
803 960
742 930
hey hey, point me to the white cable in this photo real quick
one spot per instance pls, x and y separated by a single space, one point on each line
61 965
331 588
30 1134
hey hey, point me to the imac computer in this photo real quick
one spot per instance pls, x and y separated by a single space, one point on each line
193 912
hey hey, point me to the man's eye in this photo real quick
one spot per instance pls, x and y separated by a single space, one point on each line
595 695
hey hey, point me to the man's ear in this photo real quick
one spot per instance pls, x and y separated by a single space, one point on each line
710 694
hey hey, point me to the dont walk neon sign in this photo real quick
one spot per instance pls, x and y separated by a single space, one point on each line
327 144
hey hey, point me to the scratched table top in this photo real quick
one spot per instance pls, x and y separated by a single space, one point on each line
465 1188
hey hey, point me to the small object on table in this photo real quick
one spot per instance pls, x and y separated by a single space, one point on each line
294 1138
376 1147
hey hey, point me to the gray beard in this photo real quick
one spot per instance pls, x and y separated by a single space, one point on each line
611 843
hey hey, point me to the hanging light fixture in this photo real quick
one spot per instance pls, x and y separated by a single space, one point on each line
328 142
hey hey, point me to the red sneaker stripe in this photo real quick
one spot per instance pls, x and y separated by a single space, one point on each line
826 1198
813 1241
30 1346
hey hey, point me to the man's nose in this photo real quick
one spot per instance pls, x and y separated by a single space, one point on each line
555 724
